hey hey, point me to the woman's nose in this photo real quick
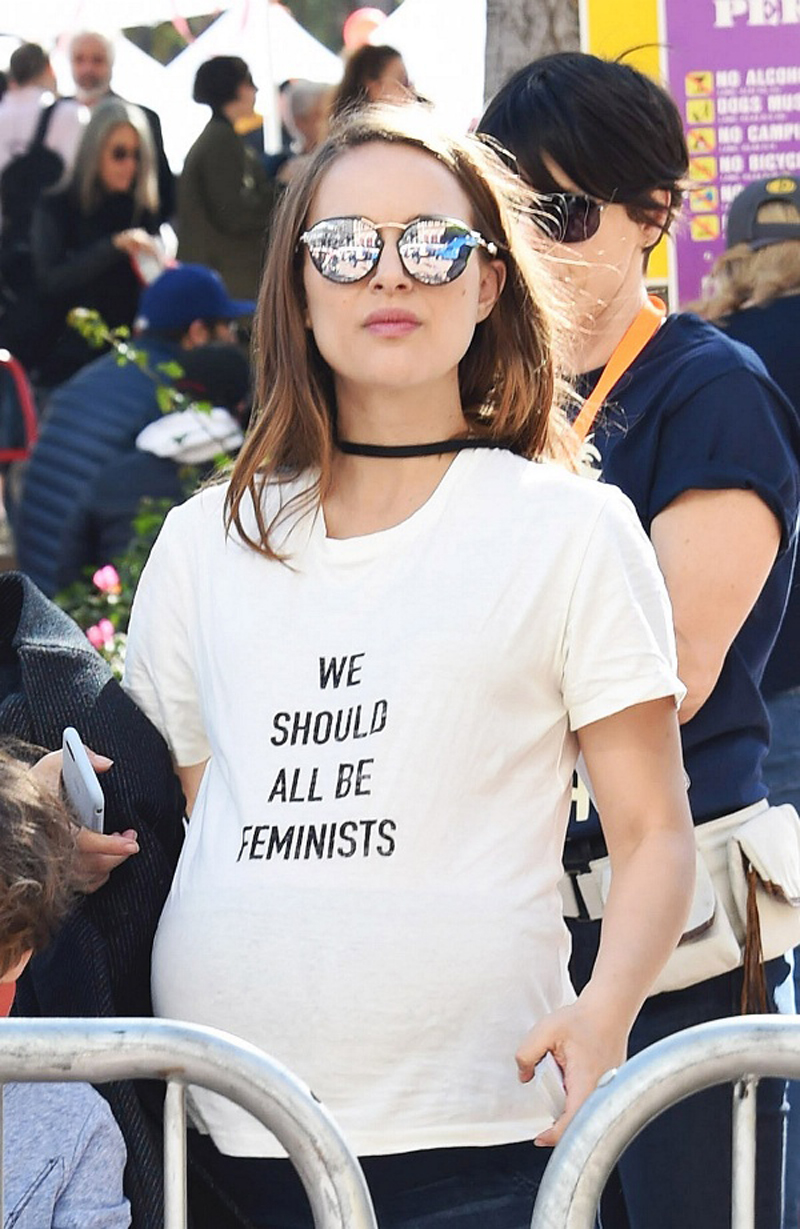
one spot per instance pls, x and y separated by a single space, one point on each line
389 269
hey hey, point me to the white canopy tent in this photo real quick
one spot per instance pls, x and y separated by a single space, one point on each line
443 43
275 48
263 32
45 20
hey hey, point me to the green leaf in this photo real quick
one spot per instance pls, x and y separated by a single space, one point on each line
164 398
171 369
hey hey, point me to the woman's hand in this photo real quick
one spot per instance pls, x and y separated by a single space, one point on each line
585 1048
99 853
136 240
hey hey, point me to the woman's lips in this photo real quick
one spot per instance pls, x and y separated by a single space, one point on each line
391 323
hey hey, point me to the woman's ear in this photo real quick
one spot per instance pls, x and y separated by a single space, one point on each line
493 279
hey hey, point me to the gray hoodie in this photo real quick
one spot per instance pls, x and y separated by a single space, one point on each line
64 1159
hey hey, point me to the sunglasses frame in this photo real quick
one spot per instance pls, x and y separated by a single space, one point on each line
476 240
569 199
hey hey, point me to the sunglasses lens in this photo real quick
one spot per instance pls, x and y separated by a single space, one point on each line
567 218
343 249
434 250
121 153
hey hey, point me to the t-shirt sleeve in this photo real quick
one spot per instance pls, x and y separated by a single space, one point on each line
619 645
735 432
160 672
93 1196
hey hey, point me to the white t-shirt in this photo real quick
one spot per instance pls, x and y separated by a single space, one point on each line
368 888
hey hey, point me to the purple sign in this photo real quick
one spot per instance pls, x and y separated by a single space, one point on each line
734 71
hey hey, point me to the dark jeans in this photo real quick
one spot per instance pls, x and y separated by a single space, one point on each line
677 1173
782 775
448 1188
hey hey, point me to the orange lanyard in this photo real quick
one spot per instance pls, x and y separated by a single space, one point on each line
628 350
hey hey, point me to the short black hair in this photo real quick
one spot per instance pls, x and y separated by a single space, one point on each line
611 129
27 63
217 82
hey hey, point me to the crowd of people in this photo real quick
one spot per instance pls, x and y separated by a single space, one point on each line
376 652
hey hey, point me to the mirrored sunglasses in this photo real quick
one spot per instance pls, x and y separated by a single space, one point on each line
432 250
123 153
566 217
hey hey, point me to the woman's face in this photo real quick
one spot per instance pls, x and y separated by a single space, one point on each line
245 101
608 265
119 160
389 330
391 85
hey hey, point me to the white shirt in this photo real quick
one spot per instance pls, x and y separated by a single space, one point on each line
369 885
20 111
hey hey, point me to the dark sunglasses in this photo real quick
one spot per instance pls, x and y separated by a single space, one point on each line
122 153
566 217
432 250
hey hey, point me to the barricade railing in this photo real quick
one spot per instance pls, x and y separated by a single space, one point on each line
99 1051
740 1051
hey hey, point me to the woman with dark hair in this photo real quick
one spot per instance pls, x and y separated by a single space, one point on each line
371 74
224 195
697 435
86 237
394 577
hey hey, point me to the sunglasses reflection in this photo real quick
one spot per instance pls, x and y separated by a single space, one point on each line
432 250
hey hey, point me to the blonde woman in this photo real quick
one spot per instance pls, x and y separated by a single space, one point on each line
376 653
87 235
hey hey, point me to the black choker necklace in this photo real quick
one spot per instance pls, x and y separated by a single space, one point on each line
414 450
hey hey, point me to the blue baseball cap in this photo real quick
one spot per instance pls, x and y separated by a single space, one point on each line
186 293
743 225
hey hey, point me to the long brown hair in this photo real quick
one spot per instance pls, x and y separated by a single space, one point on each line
366 64
510 388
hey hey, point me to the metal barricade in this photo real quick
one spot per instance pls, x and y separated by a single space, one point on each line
740 1050
99 1051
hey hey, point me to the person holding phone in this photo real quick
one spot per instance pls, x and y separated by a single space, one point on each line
697 435
63 1154
378 796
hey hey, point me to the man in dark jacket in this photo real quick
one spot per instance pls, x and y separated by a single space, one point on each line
97 415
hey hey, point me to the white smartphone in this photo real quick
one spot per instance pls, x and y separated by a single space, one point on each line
549 1081
81 786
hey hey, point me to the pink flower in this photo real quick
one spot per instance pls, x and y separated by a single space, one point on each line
106 579
101 634
95 636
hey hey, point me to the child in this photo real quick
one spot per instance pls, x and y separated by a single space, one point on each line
63 1154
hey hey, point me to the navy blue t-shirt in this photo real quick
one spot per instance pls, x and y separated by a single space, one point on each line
698 411
773 332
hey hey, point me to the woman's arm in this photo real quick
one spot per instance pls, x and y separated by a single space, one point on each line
190 777
716 550
634 762
58 270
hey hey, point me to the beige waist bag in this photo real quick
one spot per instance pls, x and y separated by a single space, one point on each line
746 905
